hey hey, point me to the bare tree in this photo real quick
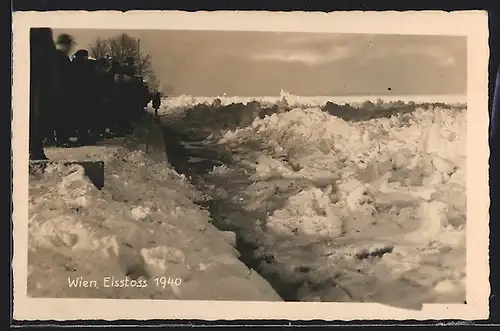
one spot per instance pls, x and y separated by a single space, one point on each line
122 46
99 48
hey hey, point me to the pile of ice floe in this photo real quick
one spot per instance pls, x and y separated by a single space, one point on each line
390 189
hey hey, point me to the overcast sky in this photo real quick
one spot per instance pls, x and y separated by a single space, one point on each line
210 63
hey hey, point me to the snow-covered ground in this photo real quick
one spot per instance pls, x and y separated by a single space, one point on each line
358 211
142 236
370 210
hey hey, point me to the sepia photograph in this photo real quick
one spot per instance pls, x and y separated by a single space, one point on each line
242 165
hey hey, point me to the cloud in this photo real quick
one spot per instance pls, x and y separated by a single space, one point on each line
313 50
307 57
435 52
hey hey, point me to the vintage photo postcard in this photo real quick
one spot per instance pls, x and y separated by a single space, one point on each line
250 165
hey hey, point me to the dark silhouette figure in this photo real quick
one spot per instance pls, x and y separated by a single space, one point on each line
95 110
129 68
123 98
83 94
156 102
64 123
104 89
115 67
44 89
117 103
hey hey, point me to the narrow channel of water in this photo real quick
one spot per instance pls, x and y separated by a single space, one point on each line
194 163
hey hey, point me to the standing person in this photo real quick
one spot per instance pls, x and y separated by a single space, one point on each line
115 67
44 89
129 68
123 97
104 90
94 113
138 89
115 96
156 102
64 124
82 76
131 99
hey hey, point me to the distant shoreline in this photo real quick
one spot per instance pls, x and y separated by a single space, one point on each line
337 99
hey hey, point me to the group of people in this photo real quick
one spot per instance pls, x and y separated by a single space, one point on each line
83 98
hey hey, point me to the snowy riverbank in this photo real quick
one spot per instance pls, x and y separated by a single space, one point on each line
142 236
